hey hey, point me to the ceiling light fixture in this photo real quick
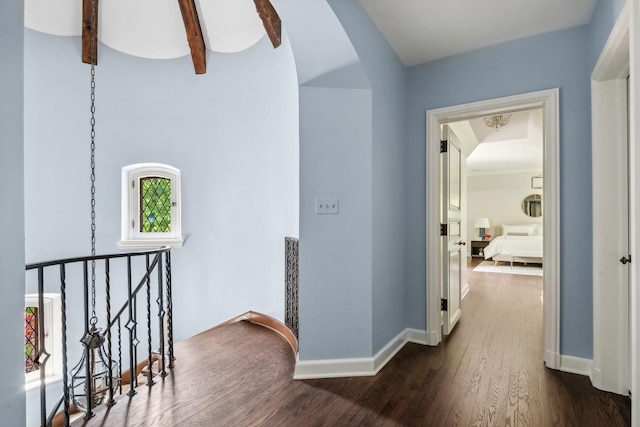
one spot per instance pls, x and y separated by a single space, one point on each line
497 121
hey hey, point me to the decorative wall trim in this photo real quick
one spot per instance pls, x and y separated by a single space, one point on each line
576 365
358 367
267 322
465 290
417 336
370 366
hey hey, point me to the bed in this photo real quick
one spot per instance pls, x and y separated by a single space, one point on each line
518 243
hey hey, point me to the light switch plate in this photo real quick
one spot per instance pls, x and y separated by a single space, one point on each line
326 205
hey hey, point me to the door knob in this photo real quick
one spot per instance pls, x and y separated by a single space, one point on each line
625 260
461 243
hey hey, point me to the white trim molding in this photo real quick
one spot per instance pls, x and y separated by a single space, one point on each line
576 365
610 192
357 367
634 194
548 100
131 236
53 338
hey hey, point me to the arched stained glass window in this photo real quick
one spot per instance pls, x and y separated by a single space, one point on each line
150 206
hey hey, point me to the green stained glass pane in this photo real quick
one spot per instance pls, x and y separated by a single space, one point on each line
30 339
155 205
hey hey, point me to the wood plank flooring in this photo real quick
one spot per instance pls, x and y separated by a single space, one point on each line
488 372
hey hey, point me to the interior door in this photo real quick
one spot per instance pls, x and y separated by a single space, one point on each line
452 245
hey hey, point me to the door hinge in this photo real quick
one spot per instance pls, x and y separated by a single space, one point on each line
133 184
444 306
443 146
133 224
443 229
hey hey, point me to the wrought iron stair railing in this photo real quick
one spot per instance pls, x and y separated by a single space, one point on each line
65 276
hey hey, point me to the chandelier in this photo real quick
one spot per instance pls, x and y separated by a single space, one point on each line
497 121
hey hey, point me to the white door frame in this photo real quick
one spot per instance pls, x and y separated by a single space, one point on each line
634 181
548 100
611 369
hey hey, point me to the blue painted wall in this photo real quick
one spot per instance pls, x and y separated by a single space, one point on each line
559 59
335 250
232 132
388 77
12 396
604 17
362 133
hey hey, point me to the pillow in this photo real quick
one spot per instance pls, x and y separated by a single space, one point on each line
518 230
538 230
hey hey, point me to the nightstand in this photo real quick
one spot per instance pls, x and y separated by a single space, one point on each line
477 248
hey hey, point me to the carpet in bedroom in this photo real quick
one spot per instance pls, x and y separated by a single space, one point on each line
505 268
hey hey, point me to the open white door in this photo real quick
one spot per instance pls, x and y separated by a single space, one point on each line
453 253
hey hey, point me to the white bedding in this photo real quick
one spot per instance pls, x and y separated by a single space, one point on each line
515 246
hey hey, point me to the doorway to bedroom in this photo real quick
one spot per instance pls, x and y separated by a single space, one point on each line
495 196
503 168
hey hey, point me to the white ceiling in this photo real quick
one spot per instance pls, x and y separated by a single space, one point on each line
424 30
418 30
227 26
514 148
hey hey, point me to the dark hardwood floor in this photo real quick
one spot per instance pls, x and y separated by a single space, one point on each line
488 372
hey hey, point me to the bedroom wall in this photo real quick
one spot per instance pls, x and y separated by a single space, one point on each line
559 59
499 198
237 153
12 396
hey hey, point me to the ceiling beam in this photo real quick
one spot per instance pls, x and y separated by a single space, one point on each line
270 20
194 35
90 32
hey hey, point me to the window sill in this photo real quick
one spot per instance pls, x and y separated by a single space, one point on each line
150 243
35 383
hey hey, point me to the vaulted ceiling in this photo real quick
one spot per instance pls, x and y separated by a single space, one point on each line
152 28
418 31
424 30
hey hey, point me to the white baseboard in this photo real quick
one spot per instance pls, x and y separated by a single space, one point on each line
464 290
552 360
417 336
358 367
576 365
369 366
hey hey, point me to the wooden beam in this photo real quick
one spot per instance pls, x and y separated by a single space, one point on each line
194 35
270 20
90 32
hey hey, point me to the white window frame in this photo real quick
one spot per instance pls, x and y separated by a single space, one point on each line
52 338
131 236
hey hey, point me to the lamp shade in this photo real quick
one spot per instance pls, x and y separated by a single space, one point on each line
482 223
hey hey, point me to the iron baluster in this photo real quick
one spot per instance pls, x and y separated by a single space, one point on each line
150 381
131 327
65 367
161 313
107 272
42 353
78 387
169 309
119 354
